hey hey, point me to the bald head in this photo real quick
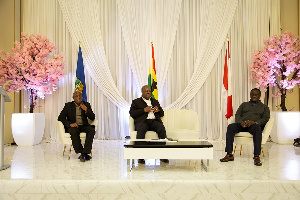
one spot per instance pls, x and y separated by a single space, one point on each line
146 92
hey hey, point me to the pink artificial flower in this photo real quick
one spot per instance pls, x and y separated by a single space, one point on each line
277 62
28 66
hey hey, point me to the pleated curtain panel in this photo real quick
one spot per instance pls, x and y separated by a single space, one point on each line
189 37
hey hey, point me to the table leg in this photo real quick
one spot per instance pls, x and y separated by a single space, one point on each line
203 165
129 165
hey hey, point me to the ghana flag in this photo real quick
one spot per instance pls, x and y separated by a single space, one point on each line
152 80
80 77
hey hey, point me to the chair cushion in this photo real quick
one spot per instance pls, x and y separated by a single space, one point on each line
67 135
174 134
149 135
244 134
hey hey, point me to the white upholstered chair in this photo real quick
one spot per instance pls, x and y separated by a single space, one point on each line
181 124
65 138
133 132
245 138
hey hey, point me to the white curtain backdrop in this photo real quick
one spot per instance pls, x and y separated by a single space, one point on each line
189 38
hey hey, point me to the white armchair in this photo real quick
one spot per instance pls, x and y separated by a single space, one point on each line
181 124
245 138
65 138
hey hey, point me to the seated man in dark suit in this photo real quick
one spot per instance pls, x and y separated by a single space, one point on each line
250 117
146 113
74 117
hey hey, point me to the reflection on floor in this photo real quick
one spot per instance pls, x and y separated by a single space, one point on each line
41 172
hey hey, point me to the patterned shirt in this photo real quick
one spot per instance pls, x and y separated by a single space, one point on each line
78 115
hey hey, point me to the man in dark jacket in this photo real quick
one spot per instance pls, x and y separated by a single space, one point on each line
146 113
250 117
74 117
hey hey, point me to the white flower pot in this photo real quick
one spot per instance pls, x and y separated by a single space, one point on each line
286 127
28 128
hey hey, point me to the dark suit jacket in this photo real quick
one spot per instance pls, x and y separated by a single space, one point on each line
68 115
137 110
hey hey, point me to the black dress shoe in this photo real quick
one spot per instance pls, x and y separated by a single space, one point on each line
228 157
141 161
82 158
164 160
88 157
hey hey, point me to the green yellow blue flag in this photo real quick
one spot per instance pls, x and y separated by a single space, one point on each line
152 80
80 77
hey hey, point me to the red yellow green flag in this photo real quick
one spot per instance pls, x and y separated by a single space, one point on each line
152 80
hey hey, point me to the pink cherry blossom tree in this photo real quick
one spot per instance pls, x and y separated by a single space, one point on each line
29 67
278 64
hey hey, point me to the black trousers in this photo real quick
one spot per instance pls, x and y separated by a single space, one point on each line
76 141
150 125
255 130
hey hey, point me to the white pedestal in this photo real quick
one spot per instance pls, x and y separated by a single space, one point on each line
286 127
28 128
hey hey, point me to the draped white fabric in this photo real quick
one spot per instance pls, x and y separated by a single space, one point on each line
189 39
211 30
83 22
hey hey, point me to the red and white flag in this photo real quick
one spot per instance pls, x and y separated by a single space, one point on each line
227 90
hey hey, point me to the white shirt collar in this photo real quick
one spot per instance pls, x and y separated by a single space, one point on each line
146 99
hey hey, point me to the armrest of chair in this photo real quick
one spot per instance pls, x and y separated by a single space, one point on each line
131 124
61 129
94 122
231 120
267 130
269 125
